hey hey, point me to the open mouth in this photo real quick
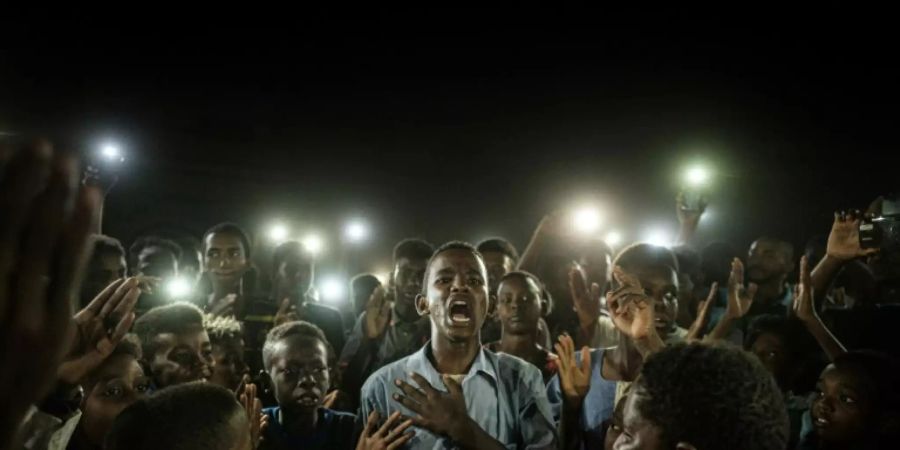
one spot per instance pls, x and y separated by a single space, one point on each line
308 399
661 323
460 312
820 422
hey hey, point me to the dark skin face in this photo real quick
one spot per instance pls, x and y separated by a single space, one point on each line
519 305
456 296
662 286
407 284
181 357
229 366
637 433
300 374
767 260
773 353
189 266
156 262
498 264
293 277
842 409
104 268
119 382
616 424
225 259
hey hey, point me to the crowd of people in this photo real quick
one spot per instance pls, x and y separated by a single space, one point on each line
569 344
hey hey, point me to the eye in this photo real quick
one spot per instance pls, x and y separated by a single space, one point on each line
113 392
443 280
476 281
143 388
848 400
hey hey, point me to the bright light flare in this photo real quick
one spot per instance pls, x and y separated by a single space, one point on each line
278 233
658 237
586 220
356 231
696 176
613 238
332 289
178 288
313 244
111 152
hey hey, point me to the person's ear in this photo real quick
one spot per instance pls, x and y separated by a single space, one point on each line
685 446
422 305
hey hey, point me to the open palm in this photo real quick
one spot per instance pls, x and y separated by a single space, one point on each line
740 297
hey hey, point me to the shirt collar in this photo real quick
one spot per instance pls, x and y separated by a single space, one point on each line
484 364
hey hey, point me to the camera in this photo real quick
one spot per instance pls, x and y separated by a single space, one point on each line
883 232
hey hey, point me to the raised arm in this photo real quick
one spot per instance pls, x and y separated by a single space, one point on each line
805 310
740 298
843 246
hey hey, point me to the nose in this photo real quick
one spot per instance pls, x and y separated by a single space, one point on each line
823 405
307 380
459 284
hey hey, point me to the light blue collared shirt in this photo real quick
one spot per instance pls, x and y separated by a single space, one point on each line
598 404
504 395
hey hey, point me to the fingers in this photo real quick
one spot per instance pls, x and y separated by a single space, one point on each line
403 439
751 292
96 305
370 424
122 328
284 307
388 424
577 283
72 258
713 290
453 387
43 232
411 392
409 404
424 385
737 273
805 276
123 299
586 360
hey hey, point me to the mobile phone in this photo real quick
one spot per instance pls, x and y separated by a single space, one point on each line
870 233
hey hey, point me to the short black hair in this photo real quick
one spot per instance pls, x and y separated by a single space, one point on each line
412 248
230 228
190 416
789 329
688 259
295 328
642 256
499 245
451 245
544 294
685 388
102 244
177 317
364 282
151 241
786 247
222 329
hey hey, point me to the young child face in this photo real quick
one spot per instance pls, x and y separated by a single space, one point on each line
772 352
842 409
230 367
519 305
300 374
119 382
181 357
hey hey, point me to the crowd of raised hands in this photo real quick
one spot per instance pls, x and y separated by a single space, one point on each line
586 345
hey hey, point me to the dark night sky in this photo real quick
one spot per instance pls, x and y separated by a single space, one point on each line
464 135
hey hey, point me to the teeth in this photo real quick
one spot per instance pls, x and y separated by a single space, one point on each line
821 421
457 302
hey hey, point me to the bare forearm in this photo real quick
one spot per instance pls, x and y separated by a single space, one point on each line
721 330
532 255
569 435
686 232
823 274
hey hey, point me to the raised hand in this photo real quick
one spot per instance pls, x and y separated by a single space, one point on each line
740 298
44 229
686 215
378 314
586 302
253 407
573 380
443 413
843 241
100 326
389 436
630 308
803 306
699 324
286 313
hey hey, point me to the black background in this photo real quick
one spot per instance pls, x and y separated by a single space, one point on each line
452 129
